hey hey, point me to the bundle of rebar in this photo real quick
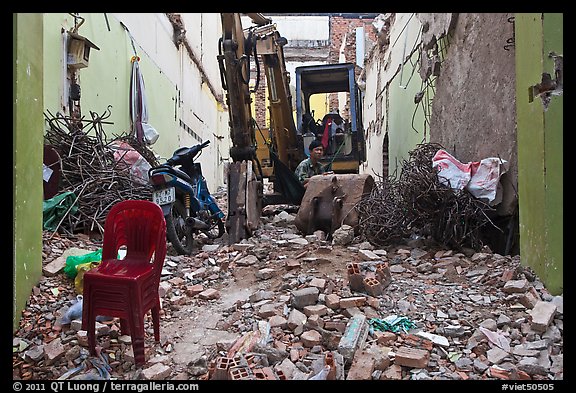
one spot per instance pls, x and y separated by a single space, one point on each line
417 203
89 169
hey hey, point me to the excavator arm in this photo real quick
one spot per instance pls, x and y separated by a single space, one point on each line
245 174
244 187
234 61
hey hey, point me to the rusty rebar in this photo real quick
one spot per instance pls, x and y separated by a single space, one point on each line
89 169
416 202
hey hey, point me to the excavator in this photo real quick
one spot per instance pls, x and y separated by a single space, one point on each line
273 153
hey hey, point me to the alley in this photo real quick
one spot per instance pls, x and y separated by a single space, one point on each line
427 247
460 315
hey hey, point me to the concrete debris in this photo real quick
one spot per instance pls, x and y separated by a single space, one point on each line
272 308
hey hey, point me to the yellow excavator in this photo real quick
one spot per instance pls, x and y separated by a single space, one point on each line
274 153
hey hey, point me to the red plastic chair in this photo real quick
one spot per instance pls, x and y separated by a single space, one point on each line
127 288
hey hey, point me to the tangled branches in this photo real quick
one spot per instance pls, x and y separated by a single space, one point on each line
90 170
417 203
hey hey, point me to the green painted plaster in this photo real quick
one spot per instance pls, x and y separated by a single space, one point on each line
539 149
553 143
27 192
406 125
99 89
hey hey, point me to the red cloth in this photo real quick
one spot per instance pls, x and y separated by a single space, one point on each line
326 134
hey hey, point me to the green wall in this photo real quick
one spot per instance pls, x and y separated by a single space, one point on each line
106 81
38 76
406 128
540 160
27 192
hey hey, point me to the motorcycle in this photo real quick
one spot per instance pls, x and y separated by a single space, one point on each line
182 192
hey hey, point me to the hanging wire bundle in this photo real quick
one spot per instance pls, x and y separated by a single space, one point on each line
89 170
417 203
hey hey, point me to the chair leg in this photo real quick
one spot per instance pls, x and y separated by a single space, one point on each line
88 318
124 326
137 336
138 349
91 329
156 322
86 305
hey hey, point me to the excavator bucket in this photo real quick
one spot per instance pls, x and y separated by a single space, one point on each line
330 202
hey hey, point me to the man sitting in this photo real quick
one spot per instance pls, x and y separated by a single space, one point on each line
311 166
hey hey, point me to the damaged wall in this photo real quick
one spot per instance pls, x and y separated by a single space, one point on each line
473 111
465 99
394 124
425 85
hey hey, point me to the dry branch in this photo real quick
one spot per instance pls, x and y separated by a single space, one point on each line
417 203
88 168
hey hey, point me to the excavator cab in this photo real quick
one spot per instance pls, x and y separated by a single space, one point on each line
329 200
342 134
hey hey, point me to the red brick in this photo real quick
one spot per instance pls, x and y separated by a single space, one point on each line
412 357
362 366
355 301
240 373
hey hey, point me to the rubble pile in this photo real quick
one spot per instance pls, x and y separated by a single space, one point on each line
416 202
284 306
93 169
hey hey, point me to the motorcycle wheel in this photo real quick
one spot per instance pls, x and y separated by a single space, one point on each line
177 232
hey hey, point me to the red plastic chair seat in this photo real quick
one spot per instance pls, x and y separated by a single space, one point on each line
122 268
127 288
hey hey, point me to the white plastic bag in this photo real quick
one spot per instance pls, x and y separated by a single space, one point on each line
150 134
480 178
451 172
322 374
485 180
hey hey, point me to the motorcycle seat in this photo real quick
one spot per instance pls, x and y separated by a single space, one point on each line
175 171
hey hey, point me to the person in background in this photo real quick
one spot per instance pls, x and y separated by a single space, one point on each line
311 166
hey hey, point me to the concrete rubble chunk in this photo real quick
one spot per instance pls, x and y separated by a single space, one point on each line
559 302
531 366
53 351
496 355
296 319
354 337
435 338
58 264
209 294
515 286
542 314
311 338
158 371
368 255
305 297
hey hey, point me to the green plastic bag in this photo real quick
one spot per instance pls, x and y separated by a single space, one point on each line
74 260
54 209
